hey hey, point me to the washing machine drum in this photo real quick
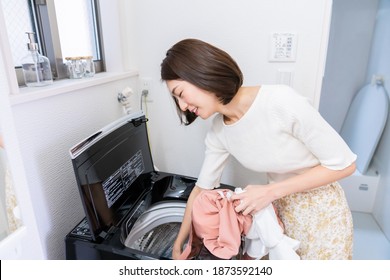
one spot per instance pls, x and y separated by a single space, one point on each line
156 229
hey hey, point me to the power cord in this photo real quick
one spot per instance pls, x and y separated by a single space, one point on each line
144 96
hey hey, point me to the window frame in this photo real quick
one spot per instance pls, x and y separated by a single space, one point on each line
45 22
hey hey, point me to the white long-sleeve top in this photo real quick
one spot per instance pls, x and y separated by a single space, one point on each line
281 134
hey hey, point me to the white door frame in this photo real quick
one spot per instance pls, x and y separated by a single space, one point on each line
25 242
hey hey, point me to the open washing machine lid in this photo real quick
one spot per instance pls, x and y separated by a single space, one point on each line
113 169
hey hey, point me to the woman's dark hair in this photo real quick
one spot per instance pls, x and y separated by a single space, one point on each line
205 66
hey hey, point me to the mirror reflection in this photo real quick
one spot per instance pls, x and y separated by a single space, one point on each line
9 211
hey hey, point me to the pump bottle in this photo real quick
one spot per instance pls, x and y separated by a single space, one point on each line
36 67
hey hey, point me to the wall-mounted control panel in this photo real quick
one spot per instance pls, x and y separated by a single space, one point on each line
283 47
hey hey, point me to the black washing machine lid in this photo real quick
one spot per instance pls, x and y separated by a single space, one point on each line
113 168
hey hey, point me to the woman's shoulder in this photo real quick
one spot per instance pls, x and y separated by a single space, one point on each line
279 91
283 96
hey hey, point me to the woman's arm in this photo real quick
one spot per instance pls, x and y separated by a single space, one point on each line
256 197
186 224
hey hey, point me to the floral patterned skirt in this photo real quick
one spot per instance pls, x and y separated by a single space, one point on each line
321 220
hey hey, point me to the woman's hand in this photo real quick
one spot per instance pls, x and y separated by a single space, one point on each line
254 198
176 251
185 225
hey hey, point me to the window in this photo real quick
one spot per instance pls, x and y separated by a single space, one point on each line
63 28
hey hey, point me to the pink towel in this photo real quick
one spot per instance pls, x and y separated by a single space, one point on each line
217 224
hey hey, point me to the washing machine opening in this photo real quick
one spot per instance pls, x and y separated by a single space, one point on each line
158 241
155 230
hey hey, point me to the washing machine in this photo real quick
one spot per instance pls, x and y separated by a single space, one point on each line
132 211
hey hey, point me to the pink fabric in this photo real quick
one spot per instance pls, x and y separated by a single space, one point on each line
217 224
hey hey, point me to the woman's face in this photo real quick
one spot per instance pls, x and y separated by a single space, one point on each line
189 97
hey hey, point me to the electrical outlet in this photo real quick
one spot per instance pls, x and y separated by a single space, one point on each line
145 85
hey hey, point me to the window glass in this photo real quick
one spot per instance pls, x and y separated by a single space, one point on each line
17 14
77 28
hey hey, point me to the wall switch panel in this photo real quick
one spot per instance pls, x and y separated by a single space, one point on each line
284 77
283 47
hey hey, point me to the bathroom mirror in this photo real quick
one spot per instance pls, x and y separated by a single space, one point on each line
9 217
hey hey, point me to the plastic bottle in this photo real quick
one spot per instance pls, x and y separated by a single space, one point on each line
36 67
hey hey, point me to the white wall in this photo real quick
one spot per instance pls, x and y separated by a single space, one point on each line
242 28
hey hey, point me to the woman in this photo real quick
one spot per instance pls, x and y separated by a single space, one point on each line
267 128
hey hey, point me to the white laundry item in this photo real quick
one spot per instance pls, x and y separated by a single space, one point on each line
265 236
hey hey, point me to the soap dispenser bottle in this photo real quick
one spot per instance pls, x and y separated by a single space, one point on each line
36 67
